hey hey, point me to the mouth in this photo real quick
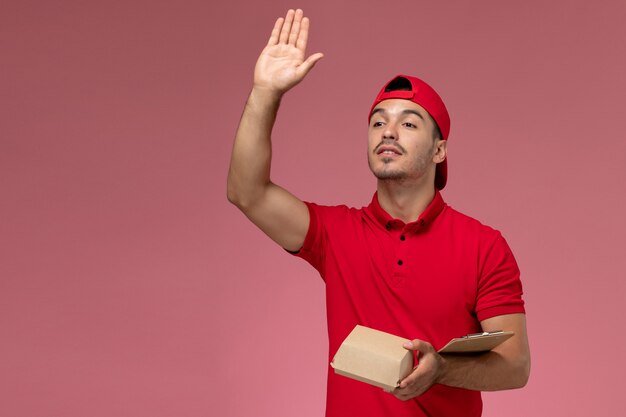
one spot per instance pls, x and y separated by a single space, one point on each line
388 151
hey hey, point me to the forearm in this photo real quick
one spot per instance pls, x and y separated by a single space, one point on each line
489 371
250 163
505 367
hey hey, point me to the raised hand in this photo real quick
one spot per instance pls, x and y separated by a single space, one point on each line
282 63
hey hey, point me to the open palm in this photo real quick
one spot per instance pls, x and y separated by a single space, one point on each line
282 63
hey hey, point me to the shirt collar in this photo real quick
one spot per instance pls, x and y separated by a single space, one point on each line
429 214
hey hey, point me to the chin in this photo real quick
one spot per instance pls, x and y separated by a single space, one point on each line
385 172
389 174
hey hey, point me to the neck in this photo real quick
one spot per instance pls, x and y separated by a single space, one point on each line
403 201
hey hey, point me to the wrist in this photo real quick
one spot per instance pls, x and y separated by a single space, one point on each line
266 93
264 100
443 369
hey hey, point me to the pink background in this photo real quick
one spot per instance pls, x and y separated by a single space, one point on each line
130 287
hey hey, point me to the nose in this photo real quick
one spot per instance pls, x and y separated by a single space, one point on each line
390 132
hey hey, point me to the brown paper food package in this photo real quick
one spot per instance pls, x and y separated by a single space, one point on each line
374 357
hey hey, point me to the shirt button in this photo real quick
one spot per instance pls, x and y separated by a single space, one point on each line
388 226
400 262
402 238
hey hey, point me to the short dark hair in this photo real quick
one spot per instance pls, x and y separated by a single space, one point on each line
402 84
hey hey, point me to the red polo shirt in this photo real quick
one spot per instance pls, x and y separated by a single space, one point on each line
432 279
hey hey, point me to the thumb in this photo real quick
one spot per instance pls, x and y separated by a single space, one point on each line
309 63
416 344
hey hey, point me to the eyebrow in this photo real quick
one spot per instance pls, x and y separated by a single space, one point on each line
406 111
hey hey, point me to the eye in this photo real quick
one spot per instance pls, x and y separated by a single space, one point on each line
410 125
377 124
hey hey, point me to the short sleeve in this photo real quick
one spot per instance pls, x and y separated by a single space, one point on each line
499 285
313 248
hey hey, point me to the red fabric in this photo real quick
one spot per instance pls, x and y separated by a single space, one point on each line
454 273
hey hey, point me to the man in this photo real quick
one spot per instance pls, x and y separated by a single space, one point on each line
407 264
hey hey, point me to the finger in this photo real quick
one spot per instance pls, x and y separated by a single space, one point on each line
309 63
276 31
403 393
303 35
284 33
410 379
418 345
295 27
408 382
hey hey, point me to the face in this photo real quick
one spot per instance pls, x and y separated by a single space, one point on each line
401 142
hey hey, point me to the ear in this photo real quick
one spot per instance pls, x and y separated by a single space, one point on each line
441 151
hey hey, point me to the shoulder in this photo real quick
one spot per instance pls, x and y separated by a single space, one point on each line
327 223
333 212
464 220
467 226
